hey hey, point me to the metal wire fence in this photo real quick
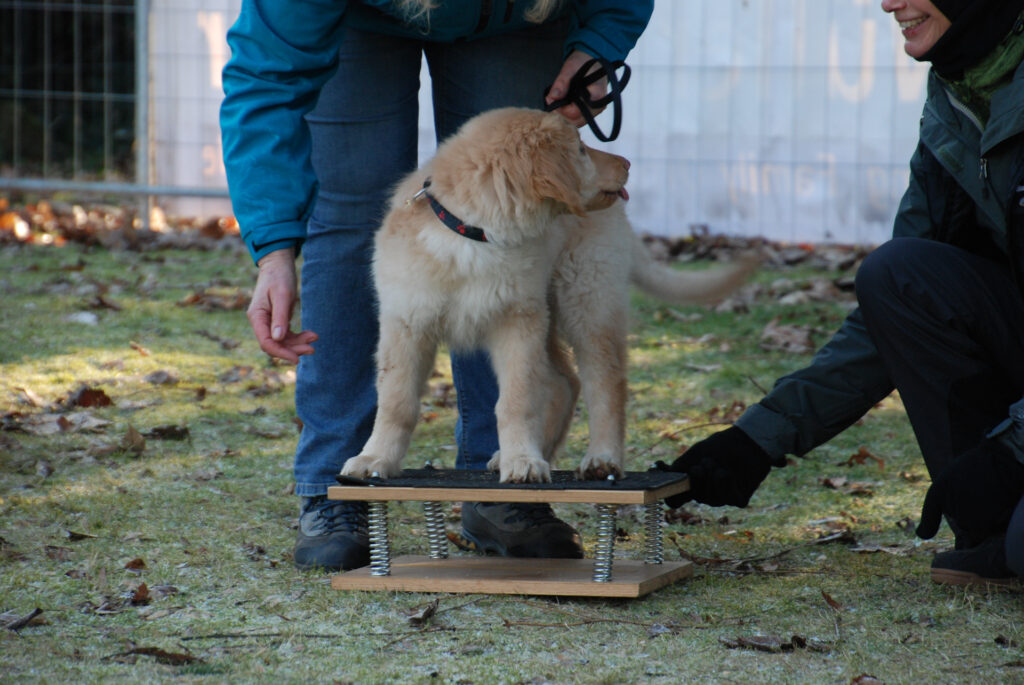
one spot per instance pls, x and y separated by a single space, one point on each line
788 119
75 94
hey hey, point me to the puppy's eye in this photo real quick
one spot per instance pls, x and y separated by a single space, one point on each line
583 150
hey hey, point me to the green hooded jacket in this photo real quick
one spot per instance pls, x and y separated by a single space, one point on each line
963 176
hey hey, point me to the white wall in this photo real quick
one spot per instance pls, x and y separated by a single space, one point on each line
789 119
188 50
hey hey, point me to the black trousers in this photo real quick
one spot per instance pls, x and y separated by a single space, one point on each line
949 326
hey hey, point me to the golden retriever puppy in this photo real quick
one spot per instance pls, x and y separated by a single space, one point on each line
512 236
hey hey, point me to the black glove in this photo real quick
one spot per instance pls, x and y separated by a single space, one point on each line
978 492
725 468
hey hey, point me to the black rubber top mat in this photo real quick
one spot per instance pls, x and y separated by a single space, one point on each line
560 480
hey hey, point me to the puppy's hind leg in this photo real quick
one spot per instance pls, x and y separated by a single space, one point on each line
404 360
563 393
601 354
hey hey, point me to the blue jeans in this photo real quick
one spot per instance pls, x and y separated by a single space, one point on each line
364 130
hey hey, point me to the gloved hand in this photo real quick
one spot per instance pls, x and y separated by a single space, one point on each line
978 492
725 468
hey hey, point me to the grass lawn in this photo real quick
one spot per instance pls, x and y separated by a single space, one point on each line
150 516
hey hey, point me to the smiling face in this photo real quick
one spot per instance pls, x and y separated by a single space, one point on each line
921 23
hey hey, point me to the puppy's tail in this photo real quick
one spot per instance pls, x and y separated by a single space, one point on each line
687 287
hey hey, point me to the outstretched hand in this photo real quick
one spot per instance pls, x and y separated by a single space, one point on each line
270 310
725 468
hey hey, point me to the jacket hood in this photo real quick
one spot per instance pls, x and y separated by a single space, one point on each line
976 28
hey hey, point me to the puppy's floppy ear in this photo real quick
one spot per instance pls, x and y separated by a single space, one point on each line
555 172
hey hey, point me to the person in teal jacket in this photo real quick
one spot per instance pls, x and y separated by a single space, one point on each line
940 312
319 121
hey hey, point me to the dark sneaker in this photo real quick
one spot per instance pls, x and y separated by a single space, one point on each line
332 535
981 565
519 529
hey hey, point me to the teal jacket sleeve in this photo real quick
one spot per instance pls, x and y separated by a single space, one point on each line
281 55
608 28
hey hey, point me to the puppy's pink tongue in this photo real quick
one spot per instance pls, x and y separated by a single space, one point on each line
624 194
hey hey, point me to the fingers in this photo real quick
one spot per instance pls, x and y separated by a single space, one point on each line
291 345
573 114
560 87
271 308
931 514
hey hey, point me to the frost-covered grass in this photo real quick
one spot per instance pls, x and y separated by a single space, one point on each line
89 512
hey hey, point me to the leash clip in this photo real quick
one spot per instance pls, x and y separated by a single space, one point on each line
419 193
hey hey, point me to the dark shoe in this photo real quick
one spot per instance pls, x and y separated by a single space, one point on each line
981 565
332 535
519 529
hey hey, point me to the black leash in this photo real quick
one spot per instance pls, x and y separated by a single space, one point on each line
579 95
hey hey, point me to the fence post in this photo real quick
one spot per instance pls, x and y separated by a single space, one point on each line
142 83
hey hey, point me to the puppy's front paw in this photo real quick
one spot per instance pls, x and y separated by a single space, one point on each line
365 465
599 467
495 463
525 469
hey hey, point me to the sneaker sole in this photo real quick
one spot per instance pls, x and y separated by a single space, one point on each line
948 576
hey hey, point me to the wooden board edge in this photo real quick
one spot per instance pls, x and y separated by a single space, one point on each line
414 573
378 493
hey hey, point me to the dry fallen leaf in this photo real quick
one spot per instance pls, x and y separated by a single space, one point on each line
136 564
236 374
866 679
139 348
424 613
16 623
133 441
785 338
774 643
162 377
30 398
862 455
54 424
57 553
168 432
831 602
163 657
86 396
140 595
75 536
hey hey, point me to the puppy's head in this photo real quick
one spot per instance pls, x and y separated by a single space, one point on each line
523 165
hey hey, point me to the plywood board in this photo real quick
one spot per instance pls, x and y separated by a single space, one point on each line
515 576
430 494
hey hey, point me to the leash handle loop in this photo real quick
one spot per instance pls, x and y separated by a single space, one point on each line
579 95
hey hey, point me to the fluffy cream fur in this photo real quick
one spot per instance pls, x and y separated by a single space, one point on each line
558 265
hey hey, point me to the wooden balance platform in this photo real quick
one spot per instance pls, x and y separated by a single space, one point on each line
601 576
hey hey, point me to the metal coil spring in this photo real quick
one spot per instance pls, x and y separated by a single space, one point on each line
380 544
654 539
605 547
437 536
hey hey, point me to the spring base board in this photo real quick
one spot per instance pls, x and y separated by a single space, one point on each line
515 576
